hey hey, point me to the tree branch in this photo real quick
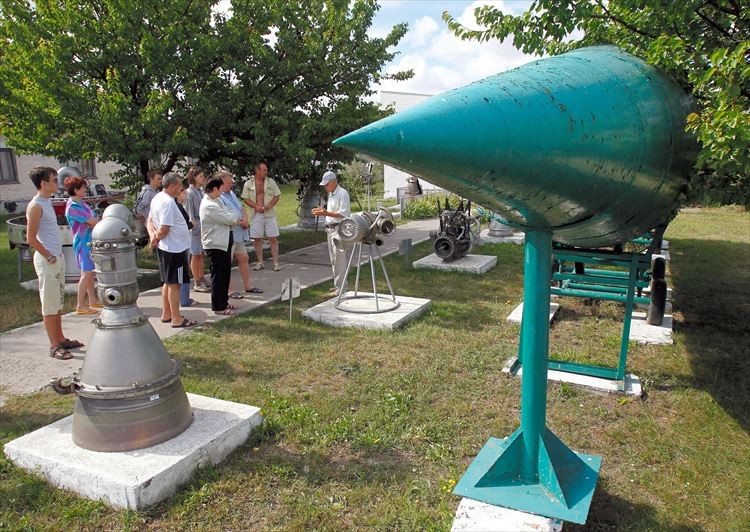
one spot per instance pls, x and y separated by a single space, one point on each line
619 21
715 25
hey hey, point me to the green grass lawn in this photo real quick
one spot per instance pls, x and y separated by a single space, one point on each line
370 430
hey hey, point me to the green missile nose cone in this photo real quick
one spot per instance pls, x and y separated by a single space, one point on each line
589 144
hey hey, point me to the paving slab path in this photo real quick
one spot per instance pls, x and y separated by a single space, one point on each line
25 366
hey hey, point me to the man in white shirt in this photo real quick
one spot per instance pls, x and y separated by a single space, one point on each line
171 236
337 208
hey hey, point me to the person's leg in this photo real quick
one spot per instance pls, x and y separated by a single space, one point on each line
173 300
81 294
243 265
165 307
223 266
258 244
185 299
213 255
91 289
274 250
338 262
272 233
51 294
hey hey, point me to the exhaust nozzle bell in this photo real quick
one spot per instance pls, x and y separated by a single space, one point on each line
128 392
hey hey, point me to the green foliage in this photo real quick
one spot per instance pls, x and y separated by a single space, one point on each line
703 45
427 206
152 82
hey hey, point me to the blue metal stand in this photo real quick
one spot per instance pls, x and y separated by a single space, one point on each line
532 470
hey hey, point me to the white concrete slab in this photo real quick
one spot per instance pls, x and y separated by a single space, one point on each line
141 478
476 516
409 308
631 385
477 264
643 333
516 238
517 314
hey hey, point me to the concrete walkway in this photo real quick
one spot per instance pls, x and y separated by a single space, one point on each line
25 366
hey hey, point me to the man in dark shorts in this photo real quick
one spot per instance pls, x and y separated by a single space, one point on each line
171 237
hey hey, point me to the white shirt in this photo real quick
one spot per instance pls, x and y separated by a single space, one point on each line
164 211
338 201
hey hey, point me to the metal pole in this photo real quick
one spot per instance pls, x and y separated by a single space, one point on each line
359 264
291 292
346 275
385 274
535 347
372 272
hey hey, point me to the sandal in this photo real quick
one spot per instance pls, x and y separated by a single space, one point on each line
70 344
254 290
226 312
185 323
60 353
235 295
168 320
258 266
86 311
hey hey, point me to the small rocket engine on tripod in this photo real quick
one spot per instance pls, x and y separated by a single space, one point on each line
458 232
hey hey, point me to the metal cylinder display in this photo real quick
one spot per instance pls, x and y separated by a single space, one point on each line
128 392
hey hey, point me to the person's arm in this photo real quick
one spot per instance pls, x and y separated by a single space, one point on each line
274 201
216 214
248 197
33 217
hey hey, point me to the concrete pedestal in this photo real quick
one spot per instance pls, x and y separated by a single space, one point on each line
136 479
515 238
517 314
630 386
477 264
643 333
409 308
473 516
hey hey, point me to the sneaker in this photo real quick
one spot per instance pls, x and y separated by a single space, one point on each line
201 288
206 281
258 266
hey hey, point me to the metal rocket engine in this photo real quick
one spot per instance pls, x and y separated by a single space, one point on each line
129 393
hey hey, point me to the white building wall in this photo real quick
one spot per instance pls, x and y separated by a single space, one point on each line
22 191
394 178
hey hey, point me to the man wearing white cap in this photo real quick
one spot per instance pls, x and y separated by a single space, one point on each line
337 208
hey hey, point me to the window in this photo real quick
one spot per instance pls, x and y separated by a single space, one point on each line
8 168
88 168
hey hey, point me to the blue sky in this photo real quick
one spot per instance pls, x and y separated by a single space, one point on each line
440 60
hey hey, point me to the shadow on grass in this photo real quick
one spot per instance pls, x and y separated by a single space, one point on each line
712 304
610 512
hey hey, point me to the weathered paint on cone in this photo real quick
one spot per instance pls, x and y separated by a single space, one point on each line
589 144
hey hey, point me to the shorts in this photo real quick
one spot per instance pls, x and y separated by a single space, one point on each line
239 247
263 226
51 283
173 267
196 246
85 262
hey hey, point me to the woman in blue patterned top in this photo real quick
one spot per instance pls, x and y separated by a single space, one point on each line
82 219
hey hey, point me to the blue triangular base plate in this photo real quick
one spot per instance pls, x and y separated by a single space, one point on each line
493 478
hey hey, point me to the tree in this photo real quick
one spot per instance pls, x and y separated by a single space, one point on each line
152 82
703 44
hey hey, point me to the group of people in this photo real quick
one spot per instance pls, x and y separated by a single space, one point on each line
184 225
208 219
